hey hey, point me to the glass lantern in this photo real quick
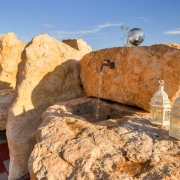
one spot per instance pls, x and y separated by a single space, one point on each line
160 107
174 129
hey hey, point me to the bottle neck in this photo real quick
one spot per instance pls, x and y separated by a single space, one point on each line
161 85
161 88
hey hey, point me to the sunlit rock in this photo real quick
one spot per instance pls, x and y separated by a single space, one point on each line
135 77
48 73
78 44
10 56
121 144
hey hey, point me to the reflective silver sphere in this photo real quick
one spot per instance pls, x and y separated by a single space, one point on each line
136 36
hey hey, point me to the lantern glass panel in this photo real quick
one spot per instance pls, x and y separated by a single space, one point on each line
158 115
175 126
167 115
151 113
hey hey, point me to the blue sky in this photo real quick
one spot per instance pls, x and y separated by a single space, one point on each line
95 21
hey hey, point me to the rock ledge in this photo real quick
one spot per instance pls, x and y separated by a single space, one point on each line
130 147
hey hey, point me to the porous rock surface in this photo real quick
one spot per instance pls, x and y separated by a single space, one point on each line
6 96
135 77
78 44
48 73
10 56
69 147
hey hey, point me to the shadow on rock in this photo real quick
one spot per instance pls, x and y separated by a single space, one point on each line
60 85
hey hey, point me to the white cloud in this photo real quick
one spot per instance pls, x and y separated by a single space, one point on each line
66 34
108 25
93 30
46 25
176 31
143 18
146 20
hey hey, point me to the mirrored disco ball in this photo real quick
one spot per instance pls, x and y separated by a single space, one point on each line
136 36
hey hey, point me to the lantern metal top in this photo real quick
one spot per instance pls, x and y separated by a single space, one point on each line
160 98
136 36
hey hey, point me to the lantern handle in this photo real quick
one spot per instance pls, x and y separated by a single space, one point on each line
161 82
161 85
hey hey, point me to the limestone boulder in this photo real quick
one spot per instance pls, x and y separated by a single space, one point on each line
48 73
128 147
10 56
135 77
6 96
78 44
174 45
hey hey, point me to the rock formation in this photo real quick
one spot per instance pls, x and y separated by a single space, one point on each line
78 44
48 73
10 56
6 96
130 147
135 77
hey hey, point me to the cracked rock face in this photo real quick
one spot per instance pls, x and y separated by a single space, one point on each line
127 147
135 77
